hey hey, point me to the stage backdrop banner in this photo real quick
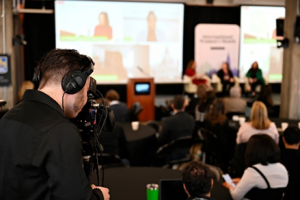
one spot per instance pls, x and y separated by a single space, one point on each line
215 44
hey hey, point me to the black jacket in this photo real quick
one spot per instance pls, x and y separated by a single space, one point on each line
40 153
179 125
121 112
221 75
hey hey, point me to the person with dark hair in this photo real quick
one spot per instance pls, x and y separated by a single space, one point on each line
197 181
119 108
265 96
40 149
255 77
204 105
103 29
226 77
179 125
265 177
290 158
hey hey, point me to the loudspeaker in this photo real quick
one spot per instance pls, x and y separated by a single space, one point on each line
297 29
280 27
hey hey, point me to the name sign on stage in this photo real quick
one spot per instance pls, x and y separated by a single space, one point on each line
215 44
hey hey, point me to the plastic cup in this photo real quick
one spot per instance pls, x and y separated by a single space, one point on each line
152 191
135 126
242 120
284 125
235 118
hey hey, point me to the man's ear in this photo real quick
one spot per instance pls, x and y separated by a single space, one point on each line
212 183
186 191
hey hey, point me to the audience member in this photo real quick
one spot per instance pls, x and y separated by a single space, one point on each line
216 122
259 123
290 158
179 125
119 108
265 96
197 181
265 178
235 103
26 85
204 104
226 77
255 77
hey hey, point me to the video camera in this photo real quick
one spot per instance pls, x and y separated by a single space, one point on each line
92 119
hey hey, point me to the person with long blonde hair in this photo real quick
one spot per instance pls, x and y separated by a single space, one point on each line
259 124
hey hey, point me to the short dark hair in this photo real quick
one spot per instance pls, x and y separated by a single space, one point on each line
292 135
55 64
197 179
112 95
178 102
262 149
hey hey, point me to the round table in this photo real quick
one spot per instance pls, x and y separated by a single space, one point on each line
141 144
130 183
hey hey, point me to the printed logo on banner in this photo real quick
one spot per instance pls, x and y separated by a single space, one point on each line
3 65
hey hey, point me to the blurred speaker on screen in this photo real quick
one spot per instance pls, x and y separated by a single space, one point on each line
103 29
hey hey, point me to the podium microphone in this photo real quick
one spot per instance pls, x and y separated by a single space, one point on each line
143 72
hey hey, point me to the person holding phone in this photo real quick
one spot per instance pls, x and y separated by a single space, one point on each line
265 177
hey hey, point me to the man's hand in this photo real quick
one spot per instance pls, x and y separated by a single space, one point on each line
104 191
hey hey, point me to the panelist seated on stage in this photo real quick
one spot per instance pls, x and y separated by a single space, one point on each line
197 181
255 77
119 108
226 78
179 125
235 103
290 158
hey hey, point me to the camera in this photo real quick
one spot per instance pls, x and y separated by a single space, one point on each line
91 120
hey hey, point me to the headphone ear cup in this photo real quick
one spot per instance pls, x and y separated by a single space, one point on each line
73 82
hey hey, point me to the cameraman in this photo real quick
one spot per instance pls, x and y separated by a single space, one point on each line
40 149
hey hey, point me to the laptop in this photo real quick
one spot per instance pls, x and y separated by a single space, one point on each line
172 189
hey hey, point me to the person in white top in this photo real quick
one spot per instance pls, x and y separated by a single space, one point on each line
263 154
259 124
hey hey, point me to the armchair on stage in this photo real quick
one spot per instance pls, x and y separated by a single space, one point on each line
142 90
190 87
219 85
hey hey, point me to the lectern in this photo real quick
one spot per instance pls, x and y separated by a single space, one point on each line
142 90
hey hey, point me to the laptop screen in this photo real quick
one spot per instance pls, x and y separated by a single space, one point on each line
172 189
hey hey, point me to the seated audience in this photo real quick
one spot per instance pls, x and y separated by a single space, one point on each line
226 77
197 181
179 125
255 77
235 103
216 122
265 178
204 105
259 123
290 158
119 108
265 96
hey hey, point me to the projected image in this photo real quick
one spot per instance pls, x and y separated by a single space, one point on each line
258 41
118 62
126 39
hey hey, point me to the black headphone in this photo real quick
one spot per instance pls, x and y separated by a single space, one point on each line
75 80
